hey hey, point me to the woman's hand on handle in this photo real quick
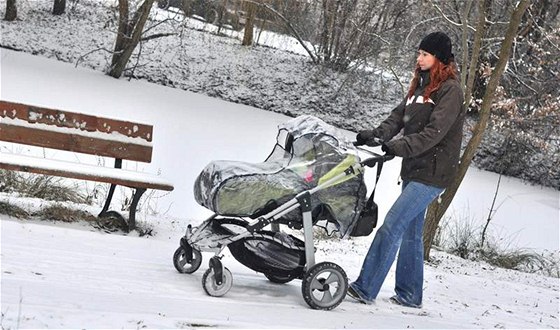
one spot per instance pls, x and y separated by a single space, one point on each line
375 157
368 138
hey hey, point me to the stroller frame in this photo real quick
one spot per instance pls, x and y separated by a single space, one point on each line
321 277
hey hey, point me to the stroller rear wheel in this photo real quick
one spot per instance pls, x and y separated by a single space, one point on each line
211 287
324 286
182 264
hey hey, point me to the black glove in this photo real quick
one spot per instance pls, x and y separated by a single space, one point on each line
386 149
374 142
364 137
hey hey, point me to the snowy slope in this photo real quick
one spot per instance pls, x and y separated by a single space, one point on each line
190 130
69 276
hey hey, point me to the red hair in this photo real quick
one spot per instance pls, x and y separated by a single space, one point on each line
439 73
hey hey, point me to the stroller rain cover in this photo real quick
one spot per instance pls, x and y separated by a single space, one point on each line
308 151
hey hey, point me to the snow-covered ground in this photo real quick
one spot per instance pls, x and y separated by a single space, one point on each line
72 277
69 276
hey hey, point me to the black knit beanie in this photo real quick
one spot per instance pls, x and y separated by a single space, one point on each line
439 45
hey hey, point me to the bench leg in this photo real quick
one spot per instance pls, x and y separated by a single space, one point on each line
132 215
108 200
118 164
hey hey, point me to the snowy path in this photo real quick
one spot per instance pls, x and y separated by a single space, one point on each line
74 278
60 277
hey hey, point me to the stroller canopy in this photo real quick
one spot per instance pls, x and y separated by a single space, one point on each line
308 151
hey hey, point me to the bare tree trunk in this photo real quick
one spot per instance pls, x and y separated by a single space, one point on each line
249 24
11 10
129 35
483 5
59 7
261 29
329 17
437 209
464 43
123 29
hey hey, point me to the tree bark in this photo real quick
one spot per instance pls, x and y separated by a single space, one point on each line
249 24
437 208
123 31
128 36
59 7
11 10
483 5
464 43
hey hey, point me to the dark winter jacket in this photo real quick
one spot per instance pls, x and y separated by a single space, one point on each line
431 141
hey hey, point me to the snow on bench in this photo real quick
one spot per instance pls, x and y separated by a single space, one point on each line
72 170
80 133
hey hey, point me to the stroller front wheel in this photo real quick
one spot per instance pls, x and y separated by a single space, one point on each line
212 288
182 262
324 286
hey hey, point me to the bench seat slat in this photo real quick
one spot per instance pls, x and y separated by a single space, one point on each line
83 172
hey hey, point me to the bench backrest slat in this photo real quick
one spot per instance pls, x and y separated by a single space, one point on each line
75 132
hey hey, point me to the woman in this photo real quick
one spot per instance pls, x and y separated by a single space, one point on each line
431 117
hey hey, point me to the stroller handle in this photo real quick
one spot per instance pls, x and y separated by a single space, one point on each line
375 157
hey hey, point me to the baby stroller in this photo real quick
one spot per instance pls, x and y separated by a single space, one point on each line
313 177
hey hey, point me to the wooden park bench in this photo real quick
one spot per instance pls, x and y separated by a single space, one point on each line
80 133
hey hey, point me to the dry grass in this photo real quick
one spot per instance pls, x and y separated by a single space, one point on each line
13 210
52 189
58 212
463 238
39 186
524 260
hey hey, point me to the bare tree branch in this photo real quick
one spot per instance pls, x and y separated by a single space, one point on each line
370 33
403 88
157 35
289 26
416 25
448 19
82 57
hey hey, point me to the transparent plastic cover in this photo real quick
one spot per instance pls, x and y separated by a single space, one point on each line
307 152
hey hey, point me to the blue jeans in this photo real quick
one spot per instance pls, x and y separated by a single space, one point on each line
402 228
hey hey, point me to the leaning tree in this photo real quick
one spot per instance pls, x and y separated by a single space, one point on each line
438 208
